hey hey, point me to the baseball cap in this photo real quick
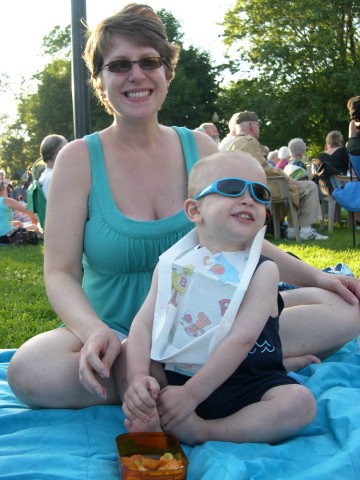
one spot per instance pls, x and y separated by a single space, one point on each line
247 117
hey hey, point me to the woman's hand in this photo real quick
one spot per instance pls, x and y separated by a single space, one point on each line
97 356
347 287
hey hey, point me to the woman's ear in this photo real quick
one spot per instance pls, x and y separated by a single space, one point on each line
192 211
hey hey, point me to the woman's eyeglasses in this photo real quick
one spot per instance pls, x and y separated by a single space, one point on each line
124 66
235 187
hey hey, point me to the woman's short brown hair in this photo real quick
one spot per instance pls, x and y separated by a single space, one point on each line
137 22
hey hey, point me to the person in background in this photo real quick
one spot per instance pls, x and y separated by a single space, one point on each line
115 205
211 130
232 132
284 157
22 216
3 178
333 161
353 144
335 153
297 148
223 388
304 194
7 205
273 158
49 149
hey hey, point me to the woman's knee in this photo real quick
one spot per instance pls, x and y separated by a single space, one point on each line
34 365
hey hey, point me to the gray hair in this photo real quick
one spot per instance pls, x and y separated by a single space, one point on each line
297 147
335 138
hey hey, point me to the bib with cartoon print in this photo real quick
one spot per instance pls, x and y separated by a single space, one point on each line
199 295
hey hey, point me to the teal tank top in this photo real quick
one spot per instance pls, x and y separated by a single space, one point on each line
6 216
120 253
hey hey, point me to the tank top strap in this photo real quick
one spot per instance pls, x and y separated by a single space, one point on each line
96 154
189 146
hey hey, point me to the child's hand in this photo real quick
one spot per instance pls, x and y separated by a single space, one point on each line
174 405
140 398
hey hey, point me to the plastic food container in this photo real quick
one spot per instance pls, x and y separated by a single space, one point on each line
150 444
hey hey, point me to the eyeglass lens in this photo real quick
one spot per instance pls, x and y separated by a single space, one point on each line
124 66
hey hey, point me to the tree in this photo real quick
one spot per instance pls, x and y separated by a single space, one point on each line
47 108
303 58
193 93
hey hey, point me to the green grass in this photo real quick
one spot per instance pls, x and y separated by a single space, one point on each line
321 254
25 310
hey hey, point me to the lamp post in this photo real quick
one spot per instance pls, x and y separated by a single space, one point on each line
79 74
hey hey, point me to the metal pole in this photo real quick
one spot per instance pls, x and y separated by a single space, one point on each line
79 73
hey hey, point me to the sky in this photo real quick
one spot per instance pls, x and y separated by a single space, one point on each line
24 23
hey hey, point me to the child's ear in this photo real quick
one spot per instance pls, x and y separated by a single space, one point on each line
191 209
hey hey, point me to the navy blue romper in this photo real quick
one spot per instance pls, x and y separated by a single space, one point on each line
262 370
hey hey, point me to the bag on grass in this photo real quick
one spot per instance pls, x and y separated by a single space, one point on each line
21 236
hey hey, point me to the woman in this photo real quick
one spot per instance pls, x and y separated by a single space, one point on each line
7 222
335 153
116 202
333 161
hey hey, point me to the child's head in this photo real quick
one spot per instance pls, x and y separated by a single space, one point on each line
221 165
232 211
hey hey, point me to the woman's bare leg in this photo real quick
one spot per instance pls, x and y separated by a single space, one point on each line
44 373
315 322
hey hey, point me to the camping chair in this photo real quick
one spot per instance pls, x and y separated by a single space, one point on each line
36 202
350 202
329 206
281 194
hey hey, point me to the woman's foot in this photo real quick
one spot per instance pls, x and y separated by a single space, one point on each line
294 364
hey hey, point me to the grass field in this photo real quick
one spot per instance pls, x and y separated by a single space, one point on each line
25 310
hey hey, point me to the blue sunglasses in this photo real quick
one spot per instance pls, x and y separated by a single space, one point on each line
235 187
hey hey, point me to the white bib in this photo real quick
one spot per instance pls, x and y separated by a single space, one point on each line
197 336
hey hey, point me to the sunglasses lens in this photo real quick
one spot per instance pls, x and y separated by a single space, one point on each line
124 66
261 192
231 187
150 63
119 66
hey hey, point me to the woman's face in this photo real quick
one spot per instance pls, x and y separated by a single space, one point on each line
137 93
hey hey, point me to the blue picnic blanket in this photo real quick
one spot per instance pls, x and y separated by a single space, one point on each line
80 444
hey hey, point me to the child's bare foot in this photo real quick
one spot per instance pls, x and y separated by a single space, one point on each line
137 425
192 431
294 364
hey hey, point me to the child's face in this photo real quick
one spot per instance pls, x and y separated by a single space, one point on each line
231 223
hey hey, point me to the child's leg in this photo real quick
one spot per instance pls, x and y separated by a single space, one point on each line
282 411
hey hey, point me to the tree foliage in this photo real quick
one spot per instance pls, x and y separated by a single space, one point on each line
48 108
304 62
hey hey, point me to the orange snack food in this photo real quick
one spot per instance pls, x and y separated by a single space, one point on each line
143 463
130 461
158 450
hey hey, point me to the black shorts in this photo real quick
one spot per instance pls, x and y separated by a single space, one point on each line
232 395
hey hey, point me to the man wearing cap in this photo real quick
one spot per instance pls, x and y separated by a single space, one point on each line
304 194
